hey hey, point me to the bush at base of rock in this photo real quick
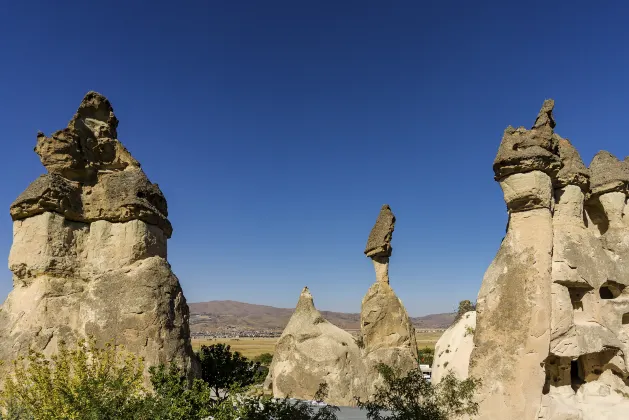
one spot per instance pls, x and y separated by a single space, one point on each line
411 397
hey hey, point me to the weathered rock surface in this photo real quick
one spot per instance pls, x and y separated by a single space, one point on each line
89 250
312 351
552 334
453 350
379 241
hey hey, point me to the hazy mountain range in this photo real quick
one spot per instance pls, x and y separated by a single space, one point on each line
209 316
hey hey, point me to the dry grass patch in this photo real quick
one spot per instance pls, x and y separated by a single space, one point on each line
248 347
252 347
427 339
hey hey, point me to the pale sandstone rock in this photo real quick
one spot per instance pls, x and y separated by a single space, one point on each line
89 251
311 351
573 261
453 350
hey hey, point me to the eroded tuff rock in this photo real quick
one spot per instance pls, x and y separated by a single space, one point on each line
91 175
552 337
312 351
89 250
523 150
379 241
454 347
608 173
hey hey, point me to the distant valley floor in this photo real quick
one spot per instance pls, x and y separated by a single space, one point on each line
232 318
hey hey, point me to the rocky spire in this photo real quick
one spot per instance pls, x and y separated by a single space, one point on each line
523 150
89 249
305 304
379 243
91 175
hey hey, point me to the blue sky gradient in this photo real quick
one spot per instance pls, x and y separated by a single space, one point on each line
277 129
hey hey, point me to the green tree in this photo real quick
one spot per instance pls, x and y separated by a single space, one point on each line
88 382
411 397
239 406
425 356
223 369
175 397
264 359
465 306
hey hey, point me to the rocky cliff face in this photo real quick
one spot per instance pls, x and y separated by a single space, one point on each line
553 310
311 351
89 250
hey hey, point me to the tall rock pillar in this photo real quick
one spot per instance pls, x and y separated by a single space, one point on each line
512 335
89 251
387 332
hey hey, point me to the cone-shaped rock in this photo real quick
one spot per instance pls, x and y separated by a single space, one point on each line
310 352
89 250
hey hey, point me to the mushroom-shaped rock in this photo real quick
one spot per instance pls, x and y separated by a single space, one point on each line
524 150
608 174
310 352
89 251
91 175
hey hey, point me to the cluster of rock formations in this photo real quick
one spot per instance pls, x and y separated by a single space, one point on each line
552 330
89 250
311 351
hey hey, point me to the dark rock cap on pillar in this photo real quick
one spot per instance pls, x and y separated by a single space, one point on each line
379 242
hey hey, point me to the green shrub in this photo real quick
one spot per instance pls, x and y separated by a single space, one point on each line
223 369
86 383
425 356
239 406
174 397
264 359
411 397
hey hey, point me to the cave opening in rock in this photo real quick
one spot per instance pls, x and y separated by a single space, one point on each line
576 375
611 290
625 319
576 296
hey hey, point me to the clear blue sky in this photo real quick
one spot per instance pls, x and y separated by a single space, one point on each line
277 129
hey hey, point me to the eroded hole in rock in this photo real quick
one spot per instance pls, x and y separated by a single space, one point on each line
557 372
577 378
625 319
611 290
576 296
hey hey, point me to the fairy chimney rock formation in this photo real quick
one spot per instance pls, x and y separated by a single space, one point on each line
552 330
379 243
311 351
514 304
89 250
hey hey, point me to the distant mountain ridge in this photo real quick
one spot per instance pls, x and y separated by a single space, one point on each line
210 316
